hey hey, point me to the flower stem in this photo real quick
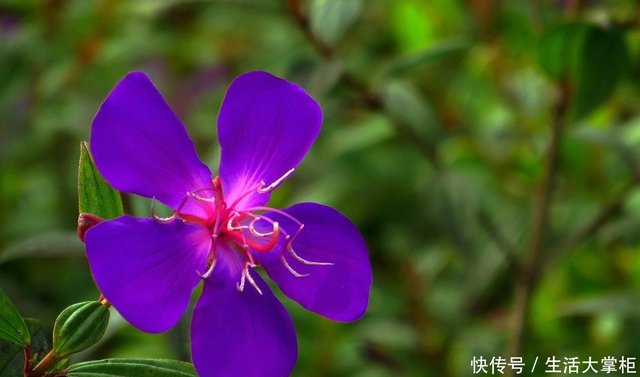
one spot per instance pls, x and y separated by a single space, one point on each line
27 357
103 300
44 365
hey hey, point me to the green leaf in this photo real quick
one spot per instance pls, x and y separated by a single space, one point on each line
12 326
603 61
624 303
132 367
330 19
94 193
79 327
559 49
444 51
46 244
12 355
405 105
591 59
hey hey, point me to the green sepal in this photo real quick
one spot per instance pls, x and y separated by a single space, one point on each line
79 327
95 196
12 326
132 367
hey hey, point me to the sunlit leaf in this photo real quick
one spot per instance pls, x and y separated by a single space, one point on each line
94 193
621 303
559 49
132 367
12 326
330 19
50 244
443 51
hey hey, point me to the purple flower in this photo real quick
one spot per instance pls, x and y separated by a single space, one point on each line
221 228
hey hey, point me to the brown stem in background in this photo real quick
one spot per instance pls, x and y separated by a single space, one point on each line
295 9
498 237
418 312
529 274
370 99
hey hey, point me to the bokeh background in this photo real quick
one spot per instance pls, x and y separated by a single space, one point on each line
489 151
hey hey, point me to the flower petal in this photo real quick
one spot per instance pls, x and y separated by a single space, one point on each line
241 333
265 127
146 269
339 291
141 147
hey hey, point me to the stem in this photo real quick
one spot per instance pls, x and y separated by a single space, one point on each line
498 237
295 9
44 365
529 274
27 360
103 300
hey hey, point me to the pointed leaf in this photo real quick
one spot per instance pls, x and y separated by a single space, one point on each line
12 355
94 193
330 19
442 52
132 367
79 327
603 61
559 49
406 106
54 244
12 326
591 59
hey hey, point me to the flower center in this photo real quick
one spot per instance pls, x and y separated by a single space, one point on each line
242 230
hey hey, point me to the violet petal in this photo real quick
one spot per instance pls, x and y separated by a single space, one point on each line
141 147
147 270
241 333
339 291
265 127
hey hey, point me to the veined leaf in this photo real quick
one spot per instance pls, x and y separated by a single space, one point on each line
12 326
12 355
132 367
94 193
330 19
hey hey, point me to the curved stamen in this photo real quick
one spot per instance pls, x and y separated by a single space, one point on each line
261 189
274 185
253 283
194 194
163 220
298 257
257 233
275 210
269 245
211 261
208 272
246 276
232 227
291 270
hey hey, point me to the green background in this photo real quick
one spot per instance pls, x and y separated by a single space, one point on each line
438 117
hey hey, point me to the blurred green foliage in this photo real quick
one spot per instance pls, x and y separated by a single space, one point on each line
438 115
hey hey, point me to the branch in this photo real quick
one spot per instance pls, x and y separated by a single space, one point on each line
529 274
498 237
